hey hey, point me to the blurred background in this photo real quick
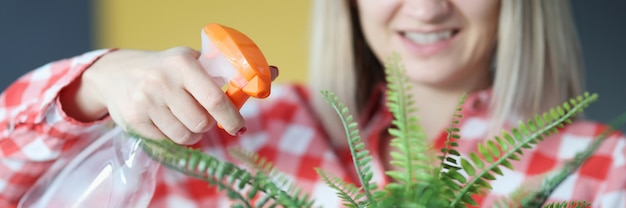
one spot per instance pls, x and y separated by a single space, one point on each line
35 32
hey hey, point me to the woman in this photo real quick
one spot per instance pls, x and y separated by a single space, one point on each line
516 58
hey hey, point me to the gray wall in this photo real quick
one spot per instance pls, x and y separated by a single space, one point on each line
602 29
33 33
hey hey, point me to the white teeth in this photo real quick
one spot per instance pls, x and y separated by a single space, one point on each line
428 38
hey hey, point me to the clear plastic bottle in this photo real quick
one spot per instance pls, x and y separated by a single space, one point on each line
113 170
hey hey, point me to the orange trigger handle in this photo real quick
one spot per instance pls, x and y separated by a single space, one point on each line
253 76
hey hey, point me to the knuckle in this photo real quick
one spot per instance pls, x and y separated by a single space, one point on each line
152 79
151 88
180 136
134 119
194 138
203 124
216 103
186 138
146 130
180 50
138 108
177 58
174 59
138 99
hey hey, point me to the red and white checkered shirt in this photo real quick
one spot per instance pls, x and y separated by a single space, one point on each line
283 128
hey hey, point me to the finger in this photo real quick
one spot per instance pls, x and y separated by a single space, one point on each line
274 72
136 124
173 129
189 112
147 130
212 99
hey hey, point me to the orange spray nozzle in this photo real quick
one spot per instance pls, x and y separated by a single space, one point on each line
252 76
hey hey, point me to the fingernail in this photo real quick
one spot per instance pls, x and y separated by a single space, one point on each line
241 131
274 71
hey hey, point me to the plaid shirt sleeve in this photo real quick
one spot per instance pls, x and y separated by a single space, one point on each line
34 131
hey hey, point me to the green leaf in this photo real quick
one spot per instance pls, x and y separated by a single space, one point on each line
451 184
483 151
489 177
454 152
477 161
560 110
493 148
469 200
567 106
539 121
554 114
509 138
345 191
502 144
514 157
468 167
497 170
483 183
507 164
547 118
457 176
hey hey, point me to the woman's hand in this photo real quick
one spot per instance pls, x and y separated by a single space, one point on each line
155 94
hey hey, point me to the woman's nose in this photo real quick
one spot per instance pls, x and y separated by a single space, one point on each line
428 10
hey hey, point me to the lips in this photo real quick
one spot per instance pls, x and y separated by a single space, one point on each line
425 44
427 38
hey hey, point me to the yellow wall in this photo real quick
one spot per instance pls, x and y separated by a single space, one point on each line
279 27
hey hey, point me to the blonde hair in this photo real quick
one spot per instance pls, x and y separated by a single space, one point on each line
539 64
538 61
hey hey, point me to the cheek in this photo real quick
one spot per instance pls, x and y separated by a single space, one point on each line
482 14
375 17
376 13
378 8
481 17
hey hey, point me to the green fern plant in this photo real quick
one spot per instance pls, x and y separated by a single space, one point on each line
266 187
417 180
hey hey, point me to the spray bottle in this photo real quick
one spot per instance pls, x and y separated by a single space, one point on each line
113 170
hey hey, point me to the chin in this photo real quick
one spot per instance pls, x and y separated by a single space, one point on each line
429 80
429 75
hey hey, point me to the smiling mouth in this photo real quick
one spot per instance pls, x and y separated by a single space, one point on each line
428 38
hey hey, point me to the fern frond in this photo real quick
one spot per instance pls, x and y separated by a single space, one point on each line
565 204
199 165
346 191
520 138
424 195
360 156
260 164
551 183
407 136
453 135
226 176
